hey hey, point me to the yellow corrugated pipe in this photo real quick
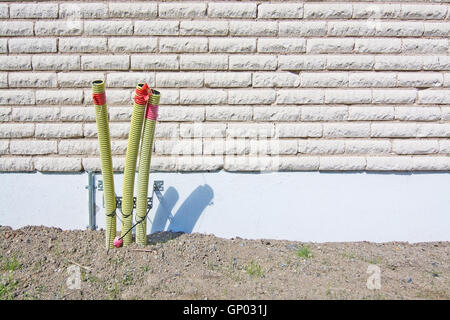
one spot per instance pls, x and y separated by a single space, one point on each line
101 116
151 116
134 137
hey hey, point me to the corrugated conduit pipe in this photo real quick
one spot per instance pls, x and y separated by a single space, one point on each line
101 116
151 116
134 137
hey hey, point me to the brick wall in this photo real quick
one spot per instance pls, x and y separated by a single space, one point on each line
246 86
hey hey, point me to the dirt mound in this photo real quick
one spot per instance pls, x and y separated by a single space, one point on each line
43 263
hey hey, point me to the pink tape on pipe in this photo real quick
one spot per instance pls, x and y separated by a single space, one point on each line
151 112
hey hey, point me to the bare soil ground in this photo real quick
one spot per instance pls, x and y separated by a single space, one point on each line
34 263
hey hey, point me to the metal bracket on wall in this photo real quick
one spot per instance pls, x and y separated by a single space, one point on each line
158 185
91 189
100 185
119 203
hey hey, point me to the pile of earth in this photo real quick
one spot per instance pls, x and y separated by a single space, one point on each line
44 263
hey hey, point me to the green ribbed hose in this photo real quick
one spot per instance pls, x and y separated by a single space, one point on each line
144 170
101 116
134 137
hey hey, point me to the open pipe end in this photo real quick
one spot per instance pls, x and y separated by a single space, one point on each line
154 98
98 86
141 94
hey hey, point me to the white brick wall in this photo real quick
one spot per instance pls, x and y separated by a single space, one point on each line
203 28
133 10
156 28
56 62
327 10
302 28
32 147
280 10
72 10
182 10
30 45
58 28
85 44
232 10
246 86
228 79
33 10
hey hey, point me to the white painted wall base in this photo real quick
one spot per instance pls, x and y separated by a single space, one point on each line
305 206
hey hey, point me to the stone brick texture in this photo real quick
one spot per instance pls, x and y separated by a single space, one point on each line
246 85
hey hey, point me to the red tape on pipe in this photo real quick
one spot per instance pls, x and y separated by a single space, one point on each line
142 95
142 91
142 100
99 98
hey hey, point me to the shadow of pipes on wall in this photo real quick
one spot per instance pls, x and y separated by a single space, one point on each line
164 211
187 215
